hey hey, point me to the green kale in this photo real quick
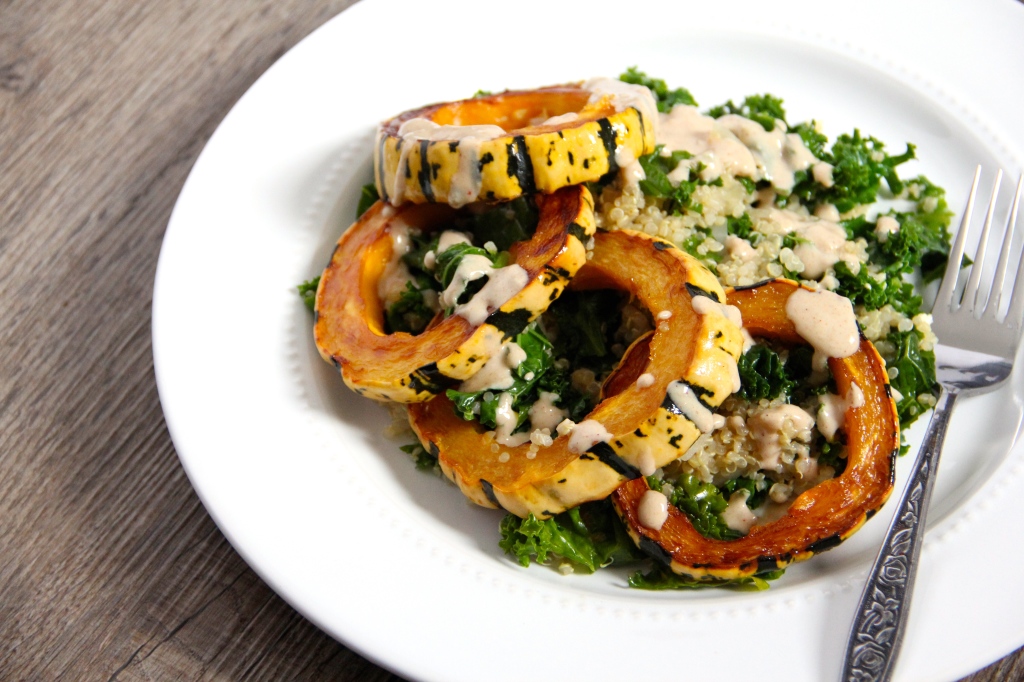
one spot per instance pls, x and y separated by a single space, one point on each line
410 313
503 225
915 374
703 503
663 579
448 261
859 164
832 454
763 375
678 197
367 198
584 320
757 495
743 228
665 98
814 140
482 406
424 460
866 290
589 536
764 109
307 290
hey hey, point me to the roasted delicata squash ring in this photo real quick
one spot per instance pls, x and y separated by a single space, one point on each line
349 326
502 146
821 517
687 346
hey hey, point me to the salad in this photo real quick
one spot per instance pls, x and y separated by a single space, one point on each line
658 335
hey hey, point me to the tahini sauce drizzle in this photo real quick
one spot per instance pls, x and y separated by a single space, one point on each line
392 281
737 515
826 321
823 241
766 426
502 284
693 409
586 435
733 144
832 413
652 512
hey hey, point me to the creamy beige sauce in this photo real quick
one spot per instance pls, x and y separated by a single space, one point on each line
822 174
826 321
765 428
623 96
450 238
739 248
502 284
506 420
779 154
496 373
827 212
544 414
686 400
652 512
737 515
586 435
396 274
822 245
886 225
561 119
645 380
735 145
686 129
832 413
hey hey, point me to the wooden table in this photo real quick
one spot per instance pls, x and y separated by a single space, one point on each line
110 568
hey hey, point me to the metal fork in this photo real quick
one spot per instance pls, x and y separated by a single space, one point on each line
974 355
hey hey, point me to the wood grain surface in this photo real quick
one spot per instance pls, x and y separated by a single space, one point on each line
110 568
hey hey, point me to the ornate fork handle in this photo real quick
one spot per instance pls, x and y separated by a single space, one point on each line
878 628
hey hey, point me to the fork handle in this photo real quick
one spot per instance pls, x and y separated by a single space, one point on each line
882 614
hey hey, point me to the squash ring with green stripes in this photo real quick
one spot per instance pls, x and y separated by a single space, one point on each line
819 518
349 317
499 147
688 346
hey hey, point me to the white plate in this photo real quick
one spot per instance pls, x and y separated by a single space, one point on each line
292 467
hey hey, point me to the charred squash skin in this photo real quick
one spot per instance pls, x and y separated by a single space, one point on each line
821 517
529 158
688 346
349 326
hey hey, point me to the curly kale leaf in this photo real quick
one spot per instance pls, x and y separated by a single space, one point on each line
368 196
589 536
307 290
859 164
763 375
502 225
915 374
665 98
482 406
425 461
584 321
873 293
678 197
764 109
410 313
703 503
